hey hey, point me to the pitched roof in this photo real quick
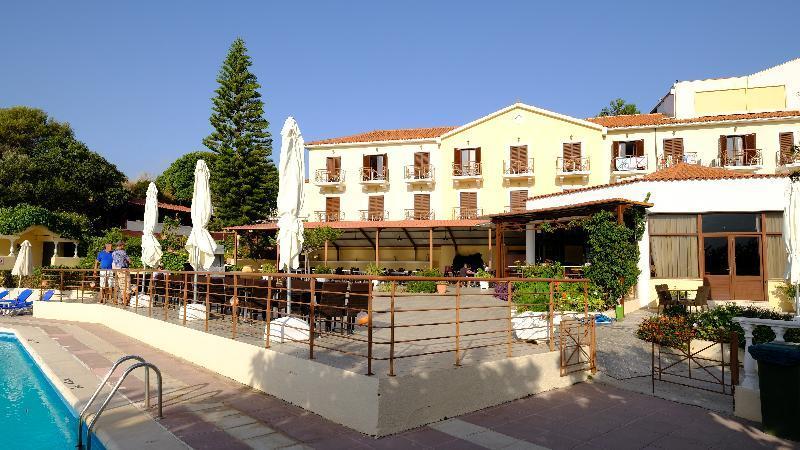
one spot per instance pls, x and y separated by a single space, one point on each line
678 172
655 119
167 206
404 134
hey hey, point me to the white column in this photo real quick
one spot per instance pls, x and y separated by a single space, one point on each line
13 243
75 254
750 380
643 283
530 244
55 253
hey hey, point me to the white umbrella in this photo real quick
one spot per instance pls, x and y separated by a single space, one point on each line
291 174
23 266
151 248
791 239
200 244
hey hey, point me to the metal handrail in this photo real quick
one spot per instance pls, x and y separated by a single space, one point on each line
125 374
103 383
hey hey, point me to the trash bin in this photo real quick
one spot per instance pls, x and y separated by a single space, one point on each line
620 312
779 382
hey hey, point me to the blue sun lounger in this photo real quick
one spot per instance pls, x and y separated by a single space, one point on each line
18 304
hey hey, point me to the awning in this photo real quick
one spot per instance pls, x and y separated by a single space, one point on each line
566 212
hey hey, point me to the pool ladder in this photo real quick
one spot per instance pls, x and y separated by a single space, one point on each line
141 363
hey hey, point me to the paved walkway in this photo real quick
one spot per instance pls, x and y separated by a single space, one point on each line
206 410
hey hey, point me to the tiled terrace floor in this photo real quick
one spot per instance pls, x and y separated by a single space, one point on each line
206 410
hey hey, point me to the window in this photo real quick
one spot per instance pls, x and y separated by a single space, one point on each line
628 149
332 211
422 207
422 165
467 161
468 203
786 145
375 208
571 160
775 252
727 223
737 150
673 246
333 166
571 150
375 167
517 200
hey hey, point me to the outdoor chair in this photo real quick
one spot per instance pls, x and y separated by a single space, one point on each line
301 295
19 304
332 302
664 297
357 301
700 301
3 294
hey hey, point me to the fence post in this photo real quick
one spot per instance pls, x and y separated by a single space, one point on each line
269 309
61 287
136 293
551 308
594 348
235 306
653 365
586 300
166 295
510 333
208 299
458 321
152 297
369 328
311 320
734 360
391 332
185 295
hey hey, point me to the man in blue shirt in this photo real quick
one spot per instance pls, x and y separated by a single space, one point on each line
104 260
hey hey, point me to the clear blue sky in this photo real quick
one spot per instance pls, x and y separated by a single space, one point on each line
135 78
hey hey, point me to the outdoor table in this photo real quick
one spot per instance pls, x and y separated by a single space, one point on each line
681 295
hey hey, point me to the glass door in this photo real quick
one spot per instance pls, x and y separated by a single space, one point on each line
718 267
748 279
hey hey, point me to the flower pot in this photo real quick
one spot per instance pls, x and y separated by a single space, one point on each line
441 288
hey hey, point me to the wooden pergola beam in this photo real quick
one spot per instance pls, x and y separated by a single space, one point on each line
453 238
369 239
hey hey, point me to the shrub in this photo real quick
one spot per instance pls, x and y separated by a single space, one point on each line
670 331
269 268
717 323
482 273
373 269
535 295
427 287
322 269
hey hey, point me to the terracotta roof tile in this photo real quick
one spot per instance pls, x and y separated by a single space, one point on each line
167 206
371 224
640 120
404 134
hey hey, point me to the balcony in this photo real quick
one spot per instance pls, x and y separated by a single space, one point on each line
371 175
628 165
417 214
329 216
467 171
567 167
748 159
514 208
467 213
325 177
518 169
669 160
419 174
367 215
789 160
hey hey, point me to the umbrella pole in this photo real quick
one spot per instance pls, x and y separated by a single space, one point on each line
288 293
797 301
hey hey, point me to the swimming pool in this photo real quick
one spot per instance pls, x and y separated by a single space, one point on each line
32 413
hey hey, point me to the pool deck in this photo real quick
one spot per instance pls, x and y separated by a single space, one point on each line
205 410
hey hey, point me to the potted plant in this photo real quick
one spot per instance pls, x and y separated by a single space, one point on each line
441 287
320 270
373 270
482 273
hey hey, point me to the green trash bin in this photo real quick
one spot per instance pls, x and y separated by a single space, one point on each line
779 383
620 312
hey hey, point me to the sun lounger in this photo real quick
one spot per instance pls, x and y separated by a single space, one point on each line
18 304
3 294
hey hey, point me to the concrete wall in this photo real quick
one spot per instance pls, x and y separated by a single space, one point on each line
371 405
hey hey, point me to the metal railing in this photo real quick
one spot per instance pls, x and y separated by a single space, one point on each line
329 216
371 322
369 215
372 175
789 158
419 172
519 167
669 160
739 158
514 208
467 169
416 214
629 163
572 165
467 213
325 176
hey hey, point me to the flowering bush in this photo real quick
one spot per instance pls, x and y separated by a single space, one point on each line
670 331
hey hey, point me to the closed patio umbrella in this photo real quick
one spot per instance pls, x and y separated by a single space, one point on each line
151 248
291 175
200 244
23 266
791 239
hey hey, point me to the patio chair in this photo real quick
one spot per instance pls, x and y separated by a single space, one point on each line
332 302
3 294
357 301
700 301
664 297
17 305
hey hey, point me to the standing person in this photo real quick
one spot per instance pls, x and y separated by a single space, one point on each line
120 263
105 261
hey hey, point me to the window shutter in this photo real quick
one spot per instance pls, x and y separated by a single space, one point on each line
518 154
615 149
457 157
723 146
421 159
330 164
365 162
469 201
640 147
750 141
332 208
786 142
478 155
375 206
674 148
422 206
572 150
518 199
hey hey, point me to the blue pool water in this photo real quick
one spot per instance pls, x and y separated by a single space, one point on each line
32 413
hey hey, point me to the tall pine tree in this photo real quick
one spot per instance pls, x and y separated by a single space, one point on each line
243 180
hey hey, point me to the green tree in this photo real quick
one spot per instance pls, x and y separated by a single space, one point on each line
43 164
244 180
619 107
137 189
176 184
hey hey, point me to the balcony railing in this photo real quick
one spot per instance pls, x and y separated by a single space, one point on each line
419 173
629 164
325 176
467 170
520 168
329 216
514 208
419 214
467 213
748 158
373 215
670 160
373 175
791 158
572 165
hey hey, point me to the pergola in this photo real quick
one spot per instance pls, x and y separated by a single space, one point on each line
528 220
419 235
